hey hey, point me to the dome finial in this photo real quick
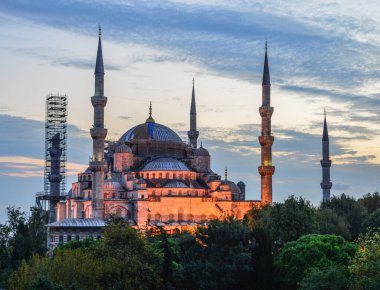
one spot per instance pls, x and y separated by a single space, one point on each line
150 118
225 173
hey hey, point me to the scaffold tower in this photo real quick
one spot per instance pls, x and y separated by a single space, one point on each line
55 132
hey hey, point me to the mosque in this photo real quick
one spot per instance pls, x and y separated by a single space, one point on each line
150 177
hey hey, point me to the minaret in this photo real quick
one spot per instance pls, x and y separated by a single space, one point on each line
326 184
98 134
55 176
266 139
193 133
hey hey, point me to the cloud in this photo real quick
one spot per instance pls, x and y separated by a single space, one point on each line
125 117
25 167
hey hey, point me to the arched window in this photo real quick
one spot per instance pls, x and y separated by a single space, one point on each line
167 175
160 175
171 217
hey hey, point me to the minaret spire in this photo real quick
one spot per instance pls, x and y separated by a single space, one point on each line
266 139
150 118
98 134
326 183
193 133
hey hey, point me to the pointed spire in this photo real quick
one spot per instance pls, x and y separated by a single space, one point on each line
150 118
193 109
325 131
266 76
99 68
225 173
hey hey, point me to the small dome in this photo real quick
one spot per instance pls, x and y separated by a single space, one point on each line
88 170
166 164
123 149
110 184
201 152
151 130
176 183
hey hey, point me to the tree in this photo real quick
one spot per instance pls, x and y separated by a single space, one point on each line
290 220
365 266
348 208
331 278
370 201
371 222
299 257
215 257
262 254
123 259
331 223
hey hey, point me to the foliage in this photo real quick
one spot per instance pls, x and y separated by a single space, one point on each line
331 223
331 278
299 257
365 267
262 257
370 201
371 222
20 238
289 220
123 259
348 208
215 257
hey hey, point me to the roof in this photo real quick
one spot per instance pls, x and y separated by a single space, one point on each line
153 131
123 149
78 223
266 76
176 183
166 164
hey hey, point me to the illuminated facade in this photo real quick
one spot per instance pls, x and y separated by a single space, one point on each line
151 177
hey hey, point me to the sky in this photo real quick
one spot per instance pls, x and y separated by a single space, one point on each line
322 54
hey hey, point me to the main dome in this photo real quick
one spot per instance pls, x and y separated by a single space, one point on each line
151 130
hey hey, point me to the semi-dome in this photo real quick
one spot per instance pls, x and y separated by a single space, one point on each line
151 130
123 149
176 184
165 164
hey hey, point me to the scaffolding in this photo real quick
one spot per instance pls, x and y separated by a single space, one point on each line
55 123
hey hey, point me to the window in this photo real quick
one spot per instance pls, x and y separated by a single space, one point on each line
68 238
142 196
98 237
90 237
226 197
60 239
77 237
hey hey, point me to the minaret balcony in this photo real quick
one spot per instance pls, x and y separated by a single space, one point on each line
99 101
326 185
96 165
192 134
266 170
98 133
266 140
326 163
266 111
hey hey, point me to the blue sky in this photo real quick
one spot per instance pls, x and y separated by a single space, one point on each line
321 54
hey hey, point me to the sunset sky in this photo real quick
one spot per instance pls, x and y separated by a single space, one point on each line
322 54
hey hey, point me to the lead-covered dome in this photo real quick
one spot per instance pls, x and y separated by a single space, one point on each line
165 164
151 130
